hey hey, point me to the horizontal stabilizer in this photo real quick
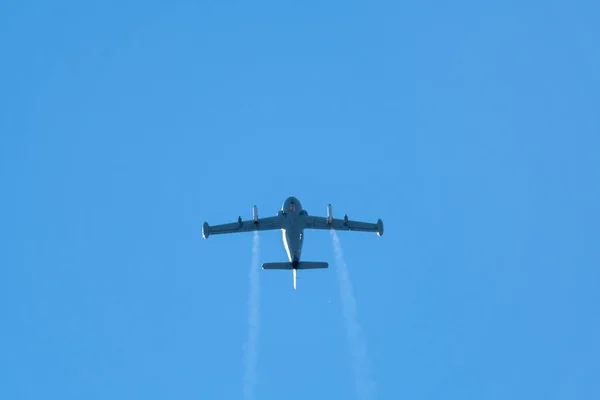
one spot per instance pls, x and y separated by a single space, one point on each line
312 265
277 265
300 265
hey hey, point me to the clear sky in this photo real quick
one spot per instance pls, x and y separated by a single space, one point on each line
471 128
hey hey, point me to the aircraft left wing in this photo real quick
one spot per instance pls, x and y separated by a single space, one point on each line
343 224
259 224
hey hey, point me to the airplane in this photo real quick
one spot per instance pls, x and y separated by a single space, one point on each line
292 219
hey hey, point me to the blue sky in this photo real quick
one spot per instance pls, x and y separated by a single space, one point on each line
470 128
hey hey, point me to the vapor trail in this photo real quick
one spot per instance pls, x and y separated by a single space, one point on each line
365 386
250 376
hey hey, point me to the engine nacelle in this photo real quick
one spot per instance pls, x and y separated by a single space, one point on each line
205 230
255 214
329 214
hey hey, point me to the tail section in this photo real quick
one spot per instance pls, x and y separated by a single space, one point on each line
311 265
295 266
300 265
278 265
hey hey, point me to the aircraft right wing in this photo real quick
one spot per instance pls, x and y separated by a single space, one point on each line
260 224
343 224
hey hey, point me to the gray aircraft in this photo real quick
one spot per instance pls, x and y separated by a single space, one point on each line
292 220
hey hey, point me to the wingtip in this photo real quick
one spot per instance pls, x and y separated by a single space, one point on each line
205 230
379 227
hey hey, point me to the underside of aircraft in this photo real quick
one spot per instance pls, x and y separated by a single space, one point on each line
292 220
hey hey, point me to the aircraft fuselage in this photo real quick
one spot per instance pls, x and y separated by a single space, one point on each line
293 232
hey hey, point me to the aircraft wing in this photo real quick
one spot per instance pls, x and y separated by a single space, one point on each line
260 224
343 224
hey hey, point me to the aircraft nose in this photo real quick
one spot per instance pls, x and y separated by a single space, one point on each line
291 203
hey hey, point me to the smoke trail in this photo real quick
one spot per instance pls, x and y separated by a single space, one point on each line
250 376
365 386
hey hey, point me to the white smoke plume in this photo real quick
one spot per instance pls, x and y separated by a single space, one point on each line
251 373
365 386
